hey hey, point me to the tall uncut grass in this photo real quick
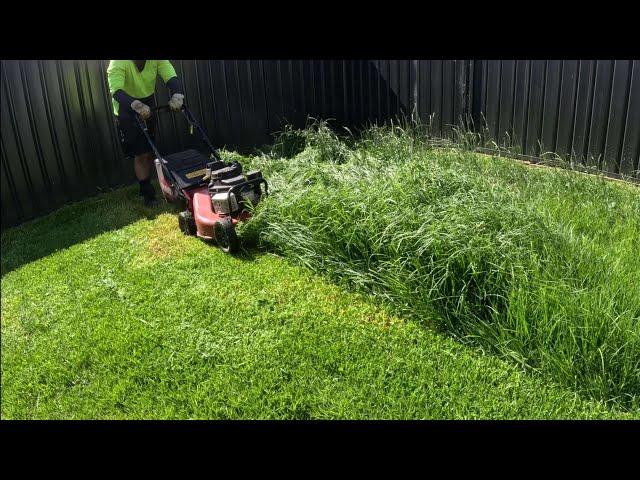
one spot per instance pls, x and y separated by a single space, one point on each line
539 266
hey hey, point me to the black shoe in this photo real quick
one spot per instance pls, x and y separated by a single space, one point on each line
149 194
150 201
147 190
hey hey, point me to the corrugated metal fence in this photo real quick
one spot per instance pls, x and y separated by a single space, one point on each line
59 142
586 111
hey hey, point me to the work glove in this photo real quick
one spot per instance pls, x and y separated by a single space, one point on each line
141 109
177 99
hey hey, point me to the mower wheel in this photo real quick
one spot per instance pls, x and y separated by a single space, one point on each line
226 237
187 223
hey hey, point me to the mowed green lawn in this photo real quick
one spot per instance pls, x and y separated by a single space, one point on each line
108 311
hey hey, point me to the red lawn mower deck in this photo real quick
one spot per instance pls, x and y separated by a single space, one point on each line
216 195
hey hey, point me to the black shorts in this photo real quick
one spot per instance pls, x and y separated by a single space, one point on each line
132 139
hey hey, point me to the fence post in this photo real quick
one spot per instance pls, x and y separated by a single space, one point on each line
414 88
469 94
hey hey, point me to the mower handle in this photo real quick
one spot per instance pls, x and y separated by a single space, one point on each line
190 120
162 108
159 108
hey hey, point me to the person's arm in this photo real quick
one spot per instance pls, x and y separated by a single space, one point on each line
169 77
115 79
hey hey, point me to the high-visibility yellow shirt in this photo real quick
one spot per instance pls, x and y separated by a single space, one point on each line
124 75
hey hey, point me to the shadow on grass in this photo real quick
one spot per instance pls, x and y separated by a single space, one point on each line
73 224
250 248
247 254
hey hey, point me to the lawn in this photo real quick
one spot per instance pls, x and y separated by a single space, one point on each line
109 312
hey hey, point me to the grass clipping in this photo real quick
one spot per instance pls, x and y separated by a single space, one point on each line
540 267
162 240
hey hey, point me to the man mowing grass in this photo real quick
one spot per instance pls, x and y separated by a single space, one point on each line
132 85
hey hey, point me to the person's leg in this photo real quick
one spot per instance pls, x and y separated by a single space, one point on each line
143 165
135 145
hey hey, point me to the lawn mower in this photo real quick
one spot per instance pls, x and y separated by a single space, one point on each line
216 195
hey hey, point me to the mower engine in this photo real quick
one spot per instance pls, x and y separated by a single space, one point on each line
230 192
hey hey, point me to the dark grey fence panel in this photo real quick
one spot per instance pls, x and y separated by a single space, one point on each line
222 111
57 136
460 91
436 95
413 86
520 103
273 82
207 110
536 104
388 104
424 89
348 91
337 95
585 111
600 112
10 207
250 126
492 115
298 87
376 87
289 109
404 89
448 86
586 82
619 105
361 80
393 89
567 106
33 174
630 156
505 112
235 104
550 105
